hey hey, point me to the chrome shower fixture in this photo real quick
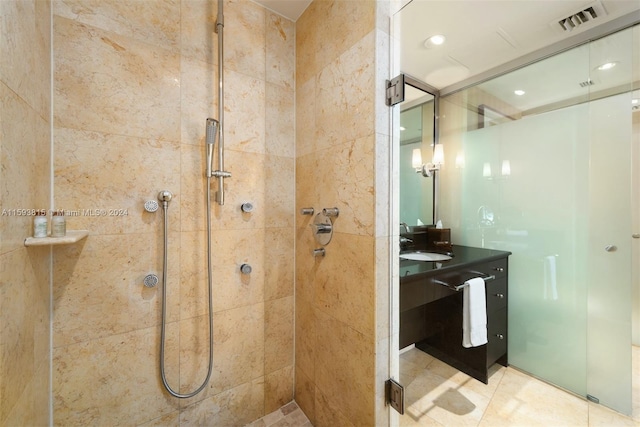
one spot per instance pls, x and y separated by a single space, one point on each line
212 133
151 206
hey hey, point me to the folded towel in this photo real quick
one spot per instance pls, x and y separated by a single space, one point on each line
474 313
550 279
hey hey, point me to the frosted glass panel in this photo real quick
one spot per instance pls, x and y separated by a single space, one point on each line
609 279
549 179
538 212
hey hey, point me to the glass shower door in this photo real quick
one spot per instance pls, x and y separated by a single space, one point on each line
557 180
609 255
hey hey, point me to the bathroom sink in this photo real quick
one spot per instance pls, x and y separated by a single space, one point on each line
425 256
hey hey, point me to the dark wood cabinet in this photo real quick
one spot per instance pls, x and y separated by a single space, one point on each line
431 313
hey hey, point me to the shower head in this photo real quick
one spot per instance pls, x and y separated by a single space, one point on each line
212 132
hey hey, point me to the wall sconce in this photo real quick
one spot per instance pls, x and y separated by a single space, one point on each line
486 170
506 168
427 168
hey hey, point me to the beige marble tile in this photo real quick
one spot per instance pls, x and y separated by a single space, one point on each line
279 121
98 288
600 416
279 263
199 39
496 372
280 51
523 400
231 289
31 408
20 319
234 407
122 372
24 176
278 388
430 395
279 191
306 264
345 178
110 83
341 25
116 174
278 333
305 339
244 36
345 368
244 119
238 350
157 24
345 108
25 50
327 414
170 420
198 98
307 42
305 391
307 189
245 184
344 282
306 118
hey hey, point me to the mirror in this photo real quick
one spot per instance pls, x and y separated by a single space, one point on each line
417 122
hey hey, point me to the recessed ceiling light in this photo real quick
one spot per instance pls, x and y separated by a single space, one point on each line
434 41
607 66
403 128
519 92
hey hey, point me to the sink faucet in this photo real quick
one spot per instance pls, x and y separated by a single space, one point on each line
406 227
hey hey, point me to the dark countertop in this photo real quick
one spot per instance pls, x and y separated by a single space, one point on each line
462 256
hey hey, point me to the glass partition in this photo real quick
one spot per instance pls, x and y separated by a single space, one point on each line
546 174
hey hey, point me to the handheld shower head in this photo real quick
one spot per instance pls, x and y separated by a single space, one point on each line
212 133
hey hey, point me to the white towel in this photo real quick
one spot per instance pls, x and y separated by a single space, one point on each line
474 313
550 281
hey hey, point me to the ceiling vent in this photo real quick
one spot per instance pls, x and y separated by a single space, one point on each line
581 18
587 83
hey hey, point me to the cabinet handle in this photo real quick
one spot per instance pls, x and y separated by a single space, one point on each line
499 295
500 336
500 269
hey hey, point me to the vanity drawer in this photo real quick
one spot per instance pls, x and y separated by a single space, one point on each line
497 268
496 295
496 335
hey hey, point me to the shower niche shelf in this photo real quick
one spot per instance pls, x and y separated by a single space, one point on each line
72 236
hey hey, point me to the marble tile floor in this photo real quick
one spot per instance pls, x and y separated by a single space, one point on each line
439 395
290 415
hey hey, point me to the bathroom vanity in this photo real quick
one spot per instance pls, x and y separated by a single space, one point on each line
431 308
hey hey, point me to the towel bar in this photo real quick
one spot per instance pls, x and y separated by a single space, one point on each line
462 285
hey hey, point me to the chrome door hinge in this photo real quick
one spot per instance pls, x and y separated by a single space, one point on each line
395 90
394 393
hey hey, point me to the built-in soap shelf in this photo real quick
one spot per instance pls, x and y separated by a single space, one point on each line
72 236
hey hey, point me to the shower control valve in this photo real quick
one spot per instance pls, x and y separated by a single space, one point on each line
245 269
150 280
247 207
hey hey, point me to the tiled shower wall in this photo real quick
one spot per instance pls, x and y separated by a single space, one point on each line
342 160
25 136
134 82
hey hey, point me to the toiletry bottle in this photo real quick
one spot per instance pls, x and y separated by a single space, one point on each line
58 224
40 224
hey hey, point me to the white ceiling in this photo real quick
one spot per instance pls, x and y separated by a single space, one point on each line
290 9
482 34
